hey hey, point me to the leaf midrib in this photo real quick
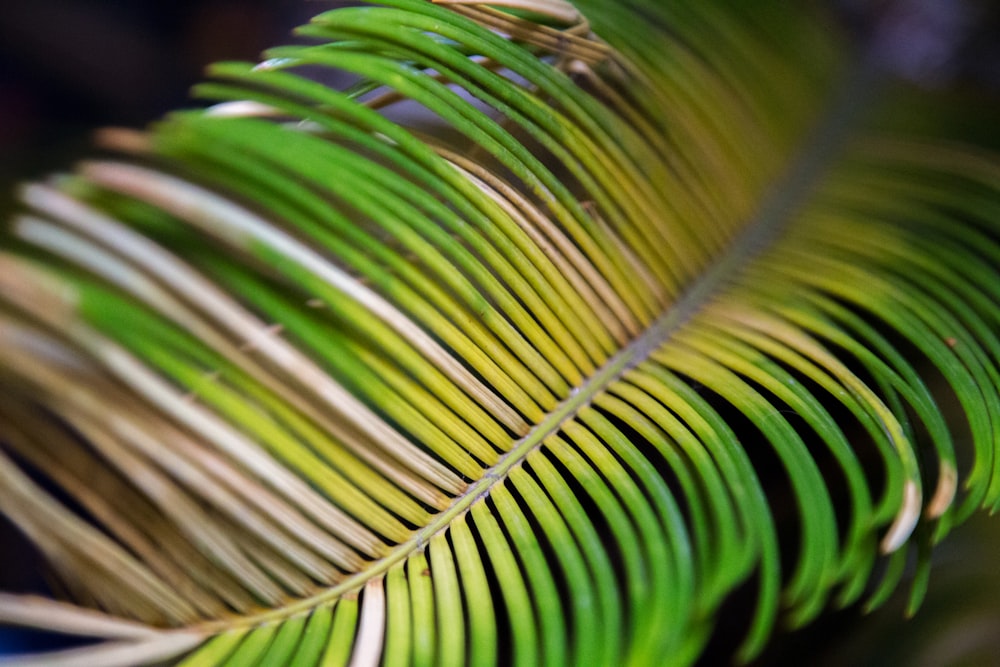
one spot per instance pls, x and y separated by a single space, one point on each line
779 203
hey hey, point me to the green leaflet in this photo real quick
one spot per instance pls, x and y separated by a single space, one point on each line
559 326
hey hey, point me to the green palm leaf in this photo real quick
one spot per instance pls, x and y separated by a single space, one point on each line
552 330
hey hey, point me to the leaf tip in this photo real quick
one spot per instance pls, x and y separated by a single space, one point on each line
905 521
944 495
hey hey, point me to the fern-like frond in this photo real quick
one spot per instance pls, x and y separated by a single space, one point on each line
559 325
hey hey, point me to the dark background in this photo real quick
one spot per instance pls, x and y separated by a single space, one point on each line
67 66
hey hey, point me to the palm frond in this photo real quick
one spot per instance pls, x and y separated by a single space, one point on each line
558 326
